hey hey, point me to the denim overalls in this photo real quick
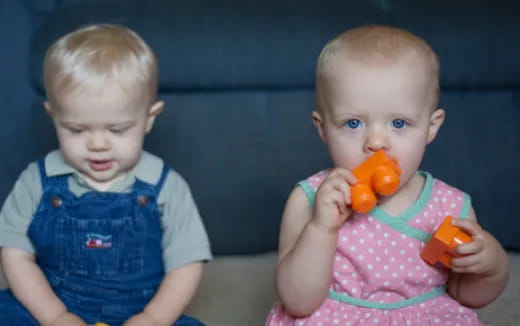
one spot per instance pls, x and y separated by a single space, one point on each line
101 252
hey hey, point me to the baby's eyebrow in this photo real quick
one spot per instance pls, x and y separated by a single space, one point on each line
412 115
345 113
72 124
122 124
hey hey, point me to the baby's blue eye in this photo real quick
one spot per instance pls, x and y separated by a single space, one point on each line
353 123
398 123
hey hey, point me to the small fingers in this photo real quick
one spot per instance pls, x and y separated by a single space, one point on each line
471 227
470 248
344 174
341 186
465 261
340 180
338 199
469 264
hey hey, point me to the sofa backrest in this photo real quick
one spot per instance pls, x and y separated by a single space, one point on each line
238 76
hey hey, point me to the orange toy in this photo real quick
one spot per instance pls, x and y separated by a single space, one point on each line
101 324
377 174
440 248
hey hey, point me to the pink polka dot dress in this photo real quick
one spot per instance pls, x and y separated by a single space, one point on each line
379 278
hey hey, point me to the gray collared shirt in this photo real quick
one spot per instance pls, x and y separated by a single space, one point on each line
184 238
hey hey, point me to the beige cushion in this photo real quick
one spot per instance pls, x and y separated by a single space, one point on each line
239 290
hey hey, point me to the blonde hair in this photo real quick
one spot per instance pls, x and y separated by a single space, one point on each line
376 44
97 53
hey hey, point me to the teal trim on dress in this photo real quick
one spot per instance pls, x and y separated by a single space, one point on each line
402 227
387 306
423 199
400 223
309 192
465 206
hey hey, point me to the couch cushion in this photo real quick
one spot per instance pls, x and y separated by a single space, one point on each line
249 44
239 290
237 79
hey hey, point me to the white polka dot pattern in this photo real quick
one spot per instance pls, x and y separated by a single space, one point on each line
377 263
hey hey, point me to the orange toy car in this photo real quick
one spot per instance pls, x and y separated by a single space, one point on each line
440 248
378 174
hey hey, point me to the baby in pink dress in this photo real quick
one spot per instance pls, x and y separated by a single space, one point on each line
377 89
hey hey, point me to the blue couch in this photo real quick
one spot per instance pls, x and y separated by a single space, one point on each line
237 78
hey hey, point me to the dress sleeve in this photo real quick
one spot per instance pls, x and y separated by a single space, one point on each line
19 208
184 238
465 206
311 185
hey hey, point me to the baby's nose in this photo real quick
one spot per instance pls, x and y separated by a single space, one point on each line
98 142
376 142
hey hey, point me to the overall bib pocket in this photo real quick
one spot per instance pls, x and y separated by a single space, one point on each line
99 246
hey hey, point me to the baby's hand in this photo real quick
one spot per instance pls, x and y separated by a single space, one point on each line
68 319
478 256
142 319
332 204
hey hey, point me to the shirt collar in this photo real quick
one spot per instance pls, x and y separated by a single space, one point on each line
147 169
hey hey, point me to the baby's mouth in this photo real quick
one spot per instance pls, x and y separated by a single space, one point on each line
100 165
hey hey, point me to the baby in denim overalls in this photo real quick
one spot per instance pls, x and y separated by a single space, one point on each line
100 230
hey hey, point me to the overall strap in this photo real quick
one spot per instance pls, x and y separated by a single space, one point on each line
59 181
164 174
152 188
43 174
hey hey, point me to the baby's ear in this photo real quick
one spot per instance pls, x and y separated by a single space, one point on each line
153 112
436 120
317 120
47 107
156 108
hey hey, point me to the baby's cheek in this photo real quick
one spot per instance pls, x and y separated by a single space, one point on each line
129 151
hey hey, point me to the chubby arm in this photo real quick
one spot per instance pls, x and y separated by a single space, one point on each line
308 243
31 288
175 292
481 275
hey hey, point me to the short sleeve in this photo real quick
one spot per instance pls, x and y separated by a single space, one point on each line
311 185
466 206
184 238
19 208
453 201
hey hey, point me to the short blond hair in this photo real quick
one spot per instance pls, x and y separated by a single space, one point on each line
376 44
97 53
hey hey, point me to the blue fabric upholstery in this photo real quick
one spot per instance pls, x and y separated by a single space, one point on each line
237 78
267 44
